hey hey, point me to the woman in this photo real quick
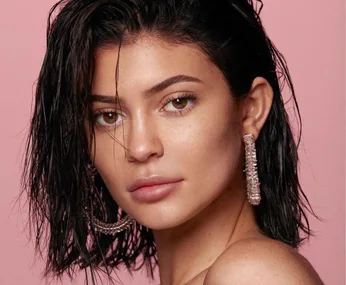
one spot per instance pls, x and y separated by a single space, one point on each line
159 133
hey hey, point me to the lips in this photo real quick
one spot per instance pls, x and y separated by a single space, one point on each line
153 180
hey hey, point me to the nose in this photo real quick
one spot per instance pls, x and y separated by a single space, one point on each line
142 140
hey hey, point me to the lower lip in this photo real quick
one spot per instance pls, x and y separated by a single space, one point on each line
155 192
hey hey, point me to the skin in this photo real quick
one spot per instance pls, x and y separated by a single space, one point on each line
206 226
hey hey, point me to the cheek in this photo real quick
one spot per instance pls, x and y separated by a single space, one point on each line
219 153
208 153
209 141
110 162
214 153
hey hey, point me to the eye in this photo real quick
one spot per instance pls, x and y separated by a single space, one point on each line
107 118
180 103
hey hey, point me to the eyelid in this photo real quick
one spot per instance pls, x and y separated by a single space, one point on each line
183 95
102 111
106 110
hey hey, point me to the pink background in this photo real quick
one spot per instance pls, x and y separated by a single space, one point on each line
311 35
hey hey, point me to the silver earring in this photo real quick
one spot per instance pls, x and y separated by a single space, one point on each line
107 228
252 181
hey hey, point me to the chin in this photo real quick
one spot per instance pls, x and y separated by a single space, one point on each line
162 223
163 217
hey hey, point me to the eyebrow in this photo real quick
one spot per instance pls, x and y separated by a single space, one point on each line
153 90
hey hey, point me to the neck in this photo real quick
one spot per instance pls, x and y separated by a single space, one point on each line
187 251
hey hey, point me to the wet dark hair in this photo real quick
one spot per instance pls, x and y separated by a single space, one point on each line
56 174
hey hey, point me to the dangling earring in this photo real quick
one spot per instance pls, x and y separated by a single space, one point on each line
112 229
107 228
252 181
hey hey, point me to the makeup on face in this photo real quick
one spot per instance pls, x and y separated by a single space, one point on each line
174 144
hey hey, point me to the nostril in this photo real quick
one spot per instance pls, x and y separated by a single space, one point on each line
144 152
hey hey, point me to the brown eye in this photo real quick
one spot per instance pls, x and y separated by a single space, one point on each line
180 103
109 117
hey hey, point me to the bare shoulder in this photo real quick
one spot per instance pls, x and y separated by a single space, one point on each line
261 261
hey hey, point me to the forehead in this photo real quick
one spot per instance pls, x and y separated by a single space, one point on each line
146 61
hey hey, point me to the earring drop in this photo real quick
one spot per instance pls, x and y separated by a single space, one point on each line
112 228
107 228
252 181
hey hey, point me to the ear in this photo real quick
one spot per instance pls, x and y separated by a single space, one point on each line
255 106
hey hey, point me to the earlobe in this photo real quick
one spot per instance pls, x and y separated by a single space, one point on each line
256 106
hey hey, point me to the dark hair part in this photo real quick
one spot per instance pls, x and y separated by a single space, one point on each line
56 174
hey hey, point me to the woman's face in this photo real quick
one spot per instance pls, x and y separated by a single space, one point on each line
192 145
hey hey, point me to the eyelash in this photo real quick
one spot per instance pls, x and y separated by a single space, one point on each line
188 96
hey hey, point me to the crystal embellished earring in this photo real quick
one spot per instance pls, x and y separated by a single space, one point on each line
112 228
107 228
252 181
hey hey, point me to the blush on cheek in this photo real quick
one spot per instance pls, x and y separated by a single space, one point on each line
224 144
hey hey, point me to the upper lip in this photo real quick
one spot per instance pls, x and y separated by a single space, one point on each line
150 181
